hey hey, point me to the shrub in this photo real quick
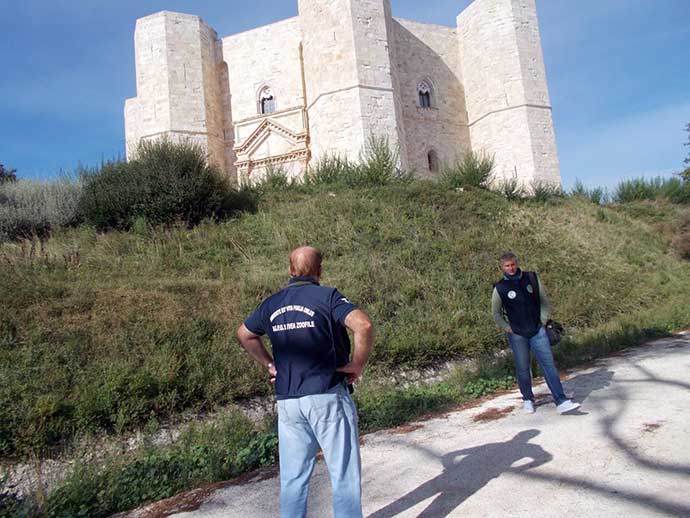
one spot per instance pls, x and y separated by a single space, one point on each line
330 170
276 179
379 164
7 175
29 208
109 196
639 189
685 175
543 191
511 188
472 170
596 195
676 190
165 182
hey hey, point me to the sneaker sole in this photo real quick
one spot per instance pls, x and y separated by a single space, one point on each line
569 410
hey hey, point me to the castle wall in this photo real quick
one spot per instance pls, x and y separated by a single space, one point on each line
149 112
267 56
330 70
340 72
505 87
350 83
375 57
430 52
178 87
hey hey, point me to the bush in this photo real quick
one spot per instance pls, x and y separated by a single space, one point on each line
639 189
378 166
510 188
165 182
472 170
676 190
7 175
330 170
276 179
543 191
596 195
29 208
685 175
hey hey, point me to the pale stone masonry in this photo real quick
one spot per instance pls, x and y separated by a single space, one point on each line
321 84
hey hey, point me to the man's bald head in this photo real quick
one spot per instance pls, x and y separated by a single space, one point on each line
305 261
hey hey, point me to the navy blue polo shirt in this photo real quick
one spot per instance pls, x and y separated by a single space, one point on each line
306 325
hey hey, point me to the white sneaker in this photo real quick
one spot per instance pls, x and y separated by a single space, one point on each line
567 406
528 406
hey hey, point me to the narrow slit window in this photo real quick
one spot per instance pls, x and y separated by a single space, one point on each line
424 92
432 160
267 102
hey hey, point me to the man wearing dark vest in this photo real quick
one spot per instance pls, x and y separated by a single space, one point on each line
307 325
520 307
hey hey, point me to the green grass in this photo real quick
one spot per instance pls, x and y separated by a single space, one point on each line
205 453
674 189
107 331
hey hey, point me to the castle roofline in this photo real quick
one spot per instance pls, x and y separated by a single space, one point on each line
407 21
164 13
284 21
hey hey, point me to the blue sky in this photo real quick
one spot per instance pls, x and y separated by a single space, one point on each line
619 76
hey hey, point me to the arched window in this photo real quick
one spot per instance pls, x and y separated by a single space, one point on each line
267 102
432 161
425 94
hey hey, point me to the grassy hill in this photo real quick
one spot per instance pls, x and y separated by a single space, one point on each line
112 332
107 331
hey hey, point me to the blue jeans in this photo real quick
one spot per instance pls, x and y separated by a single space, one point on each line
539 343
328 421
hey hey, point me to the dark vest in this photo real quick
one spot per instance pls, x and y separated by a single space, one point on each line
521 303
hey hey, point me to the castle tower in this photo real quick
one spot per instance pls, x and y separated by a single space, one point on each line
350 86
507 97
179 94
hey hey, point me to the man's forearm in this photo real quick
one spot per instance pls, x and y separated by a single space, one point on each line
497 311
363 331
254 346
364 341
256 350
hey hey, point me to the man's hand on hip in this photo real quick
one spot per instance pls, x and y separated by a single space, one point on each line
353 371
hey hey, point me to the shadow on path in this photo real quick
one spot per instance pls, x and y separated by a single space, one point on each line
649 501
466 471
583 385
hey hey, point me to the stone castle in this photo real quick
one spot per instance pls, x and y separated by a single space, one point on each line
320 84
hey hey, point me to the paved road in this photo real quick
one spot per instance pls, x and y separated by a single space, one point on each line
626 453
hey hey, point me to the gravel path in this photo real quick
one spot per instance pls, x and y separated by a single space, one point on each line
626 452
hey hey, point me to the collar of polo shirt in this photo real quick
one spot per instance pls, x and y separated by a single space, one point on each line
303 280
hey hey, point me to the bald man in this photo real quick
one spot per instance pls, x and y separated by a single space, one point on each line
307 325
